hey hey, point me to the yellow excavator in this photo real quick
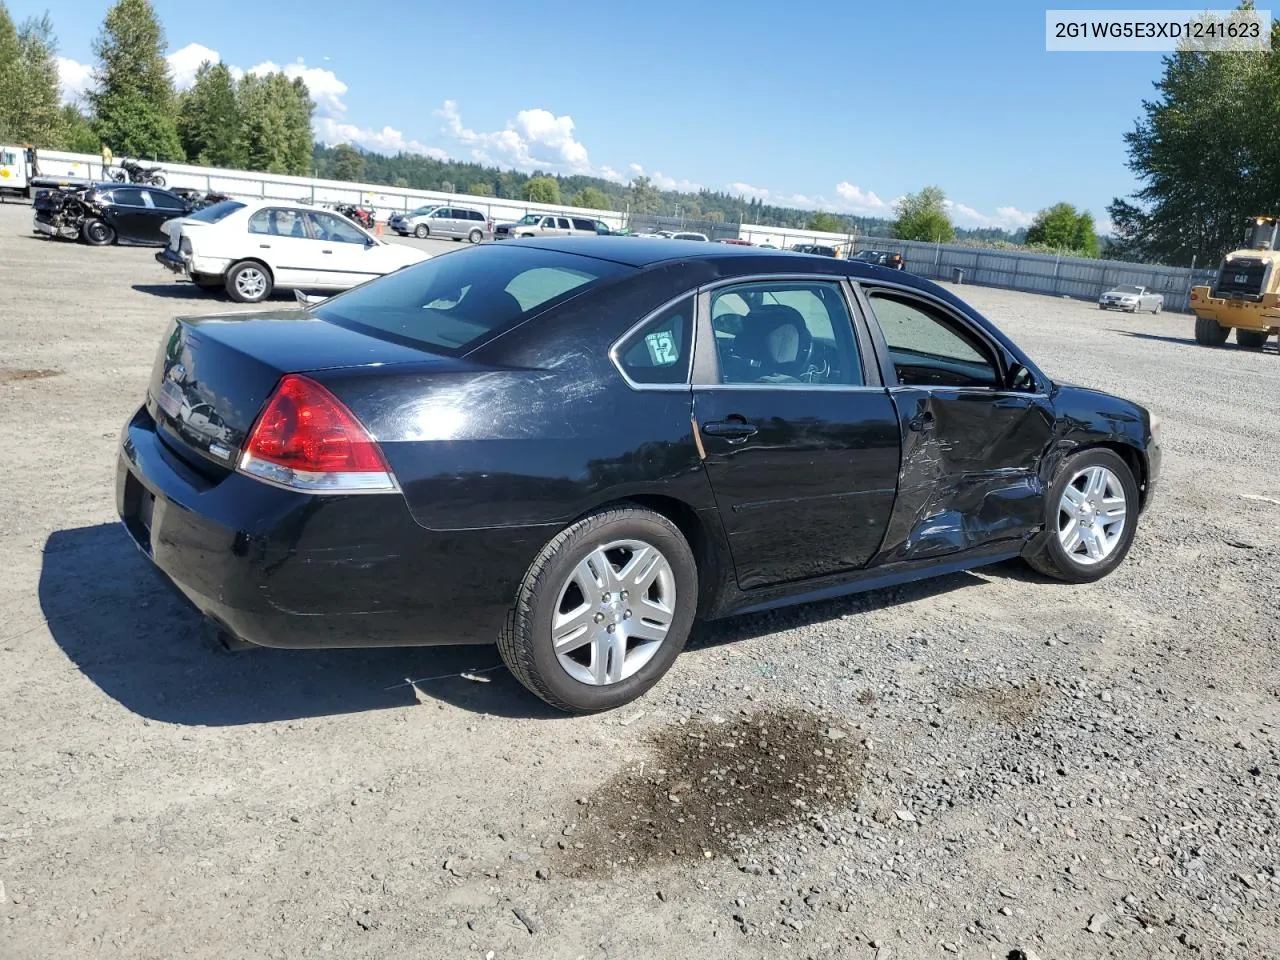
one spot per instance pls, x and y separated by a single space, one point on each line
1245 296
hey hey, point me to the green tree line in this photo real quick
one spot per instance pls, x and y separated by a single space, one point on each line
254 123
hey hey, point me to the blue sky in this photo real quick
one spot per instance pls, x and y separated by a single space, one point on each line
841 106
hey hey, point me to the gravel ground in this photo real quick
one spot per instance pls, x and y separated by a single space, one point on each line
988 765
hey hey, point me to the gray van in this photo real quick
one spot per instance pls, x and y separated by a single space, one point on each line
443 221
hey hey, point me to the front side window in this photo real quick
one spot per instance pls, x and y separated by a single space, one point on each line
334 229
930 348
548 223
785 331
450 303
659 351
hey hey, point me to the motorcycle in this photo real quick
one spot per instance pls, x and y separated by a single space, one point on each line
133 172
360 215
198 200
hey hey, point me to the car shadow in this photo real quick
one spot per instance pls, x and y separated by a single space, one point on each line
189 291
750 626
126 629
1268 347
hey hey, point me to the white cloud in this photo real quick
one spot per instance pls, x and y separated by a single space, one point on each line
326 89
635 169
185 63
740 189
386 140
1006 218
663 182
611 174
535 139
852 199
74 79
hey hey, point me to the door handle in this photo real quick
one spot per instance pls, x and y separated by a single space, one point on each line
734 429
264 246
921 422
326 251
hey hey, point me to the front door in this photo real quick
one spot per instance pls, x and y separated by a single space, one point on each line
345 255
972 439
801 441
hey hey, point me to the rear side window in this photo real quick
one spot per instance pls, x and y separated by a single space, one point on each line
475 215
586 225
217 211
659 351
450 303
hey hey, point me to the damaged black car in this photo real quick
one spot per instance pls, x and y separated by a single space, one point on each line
108 213
575 447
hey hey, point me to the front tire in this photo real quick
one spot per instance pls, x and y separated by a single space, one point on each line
1252 339
1091 515
475 236
421 231
603 611
96 233
1210 333
249 282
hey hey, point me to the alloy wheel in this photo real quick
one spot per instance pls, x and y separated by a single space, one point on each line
1092 515
251 283
613 612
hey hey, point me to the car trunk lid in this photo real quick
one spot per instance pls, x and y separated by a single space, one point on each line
212 375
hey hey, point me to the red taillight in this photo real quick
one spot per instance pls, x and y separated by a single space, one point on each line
305 439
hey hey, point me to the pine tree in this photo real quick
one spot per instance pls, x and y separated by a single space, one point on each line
208 122
133 103
298 129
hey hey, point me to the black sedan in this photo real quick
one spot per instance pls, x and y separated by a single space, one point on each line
106 213
578 446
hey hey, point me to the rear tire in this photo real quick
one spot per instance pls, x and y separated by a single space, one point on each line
421 231
475 236
159 181
97 234
249 282
551 583
1252 339
1048 554
1210 333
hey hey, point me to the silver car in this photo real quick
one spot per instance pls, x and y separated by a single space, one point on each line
1131 298
438 220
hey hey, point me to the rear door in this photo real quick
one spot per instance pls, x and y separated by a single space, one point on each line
974 430
280 237
801 439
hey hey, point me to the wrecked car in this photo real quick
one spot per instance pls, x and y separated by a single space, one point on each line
575 447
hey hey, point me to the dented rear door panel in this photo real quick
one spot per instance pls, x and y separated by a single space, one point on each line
970 470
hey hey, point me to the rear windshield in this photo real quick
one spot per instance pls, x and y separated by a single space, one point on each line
455 300
216 211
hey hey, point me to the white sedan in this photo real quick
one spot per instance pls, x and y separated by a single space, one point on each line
251 249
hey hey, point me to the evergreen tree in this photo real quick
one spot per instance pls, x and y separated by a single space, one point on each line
133 102
347 163
298 129
208 122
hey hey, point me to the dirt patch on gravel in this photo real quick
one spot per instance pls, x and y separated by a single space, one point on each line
11 376
707 786
1010 704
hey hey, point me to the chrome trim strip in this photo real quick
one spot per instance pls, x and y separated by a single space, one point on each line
830 387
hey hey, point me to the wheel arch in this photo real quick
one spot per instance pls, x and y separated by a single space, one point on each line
1135 459
708 550
256 260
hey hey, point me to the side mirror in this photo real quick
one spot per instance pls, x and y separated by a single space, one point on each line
1021 380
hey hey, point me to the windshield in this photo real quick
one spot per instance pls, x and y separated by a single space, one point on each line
217 211
529 219
452 302
1128 289
422 211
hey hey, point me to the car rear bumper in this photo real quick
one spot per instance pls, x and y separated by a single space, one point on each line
284 569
